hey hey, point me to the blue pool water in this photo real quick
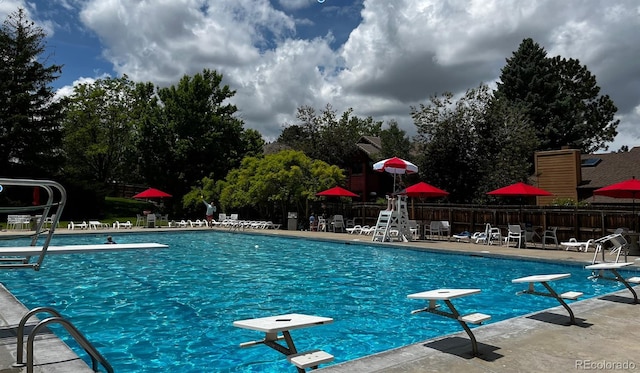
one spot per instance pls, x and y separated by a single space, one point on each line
173 309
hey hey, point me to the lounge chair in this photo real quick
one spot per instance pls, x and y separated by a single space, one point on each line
118 225
198 223
579 246
271 225
73 225
462 236
356 229
257 224
96 224
367 230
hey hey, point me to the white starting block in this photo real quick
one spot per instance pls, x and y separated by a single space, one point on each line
475 318
573 295
309 359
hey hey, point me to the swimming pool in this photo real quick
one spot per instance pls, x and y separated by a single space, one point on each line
173 309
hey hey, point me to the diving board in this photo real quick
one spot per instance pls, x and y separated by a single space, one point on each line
77 249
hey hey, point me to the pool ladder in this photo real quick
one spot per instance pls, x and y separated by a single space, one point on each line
96 357
56 200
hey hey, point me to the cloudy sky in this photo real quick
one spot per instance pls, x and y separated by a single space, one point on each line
379 57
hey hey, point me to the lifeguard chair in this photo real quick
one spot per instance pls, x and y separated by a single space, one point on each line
393 225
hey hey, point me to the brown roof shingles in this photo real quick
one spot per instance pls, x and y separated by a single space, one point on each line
612 168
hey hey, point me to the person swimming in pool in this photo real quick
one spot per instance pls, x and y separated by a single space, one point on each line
110 241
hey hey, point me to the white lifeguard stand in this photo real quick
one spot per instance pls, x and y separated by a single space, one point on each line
393 224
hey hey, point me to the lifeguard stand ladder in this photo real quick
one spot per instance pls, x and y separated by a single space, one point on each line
396 220
57 198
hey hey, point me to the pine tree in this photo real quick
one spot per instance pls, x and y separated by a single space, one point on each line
560 97
30 133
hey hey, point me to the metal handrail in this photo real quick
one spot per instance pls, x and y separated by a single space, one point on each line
48 186
20 338
96 357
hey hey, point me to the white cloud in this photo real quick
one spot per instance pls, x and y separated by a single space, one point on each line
161 41
68 90
402 52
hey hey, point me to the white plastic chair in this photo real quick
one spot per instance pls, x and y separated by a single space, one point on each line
550 234
445 228
414 227
338 223
151 220
435 228
515 233
490 235
322 224
49 221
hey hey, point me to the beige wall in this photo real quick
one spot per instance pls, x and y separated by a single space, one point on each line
559 172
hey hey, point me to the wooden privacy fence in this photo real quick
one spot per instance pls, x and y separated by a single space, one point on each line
580 223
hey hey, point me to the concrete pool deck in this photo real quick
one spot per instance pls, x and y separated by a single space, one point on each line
604 339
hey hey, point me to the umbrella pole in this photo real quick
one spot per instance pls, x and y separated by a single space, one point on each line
413 213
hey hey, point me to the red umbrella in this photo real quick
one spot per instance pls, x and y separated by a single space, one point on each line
336 192
395 166
424 190
629 188
625 189
520 190
152 193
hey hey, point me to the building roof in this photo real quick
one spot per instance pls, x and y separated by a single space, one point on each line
600 170
609 168
371 145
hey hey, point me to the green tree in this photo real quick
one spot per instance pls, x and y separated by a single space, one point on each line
472 145
150 134
447 144
202 135
277 183
506 142
560 97
30 135
99 129
326 137
395 142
